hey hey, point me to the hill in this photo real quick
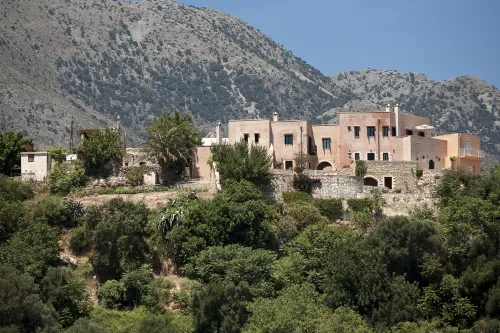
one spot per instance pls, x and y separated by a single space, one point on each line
94 60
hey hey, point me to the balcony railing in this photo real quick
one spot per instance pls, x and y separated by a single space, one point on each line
465 152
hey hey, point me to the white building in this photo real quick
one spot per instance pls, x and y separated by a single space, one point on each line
35 165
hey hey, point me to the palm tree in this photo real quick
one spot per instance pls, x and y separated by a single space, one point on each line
172 141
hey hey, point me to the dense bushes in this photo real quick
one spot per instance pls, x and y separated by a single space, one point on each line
331 208
302 183
66 177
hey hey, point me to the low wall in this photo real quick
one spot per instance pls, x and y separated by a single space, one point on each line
332 185
402 204
402 173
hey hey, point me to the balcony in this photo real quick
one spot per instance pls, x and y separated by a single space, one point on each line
474 153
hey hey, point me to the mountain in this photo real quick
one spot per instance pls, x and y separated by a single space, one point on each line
90 61
464 104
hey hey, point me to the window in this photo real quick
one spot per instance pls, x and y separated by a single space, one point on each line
385 131
311 148
288 139
256 137
356 156
356 131
370 156
385 156
288 165
370 130
31 157
409 132
388 182
326 143
394 131
245 137
421 133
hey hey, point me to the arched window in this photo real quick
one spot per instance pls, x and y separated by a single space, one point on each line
324 166
431 164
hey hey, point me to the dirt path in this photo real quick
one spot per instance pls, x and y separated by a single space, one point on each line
152 200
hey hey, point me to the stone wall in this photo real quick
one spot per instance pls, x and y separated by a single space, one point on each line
402 204
332 185
402 173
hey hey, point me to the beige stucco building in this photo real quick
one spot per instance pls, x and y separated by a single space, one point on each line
35 165
379 136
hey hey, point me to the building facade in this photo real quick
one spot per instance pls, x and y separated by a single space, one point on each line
373 136
35 165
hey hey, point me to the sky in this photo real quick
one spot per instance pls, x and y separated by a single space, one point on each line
440 38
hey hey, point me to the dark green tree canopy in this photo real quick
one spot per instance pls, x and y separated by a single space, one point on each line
101 151
240 161
12 144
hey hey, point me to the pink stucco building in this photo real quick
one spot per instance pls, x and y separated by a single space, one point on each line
380 136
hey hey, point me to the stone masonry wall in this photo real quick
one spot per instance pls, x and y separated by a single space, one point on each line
402 173
332 185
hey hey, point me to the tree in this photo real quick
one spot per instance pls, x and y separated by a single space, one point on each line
172 141
21 308
14 190
32 249
65 177
240 161
299 309
221 307
12 144
66 293
101 151
234 263
59 153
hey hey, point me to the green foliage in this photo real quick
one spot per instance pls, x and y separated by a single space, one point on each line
12 144
291 197
14 190
307 255
360 205
139 288
299 309
240 161
172 140
302 183
301 162
21 308
419 173
101 151
66 177
32 249
363 220
59 153
234 263
119 241
110 294
79 241
236 215
305 214
135 177
221 307
66 293
330 208
360 169
12 215
84 325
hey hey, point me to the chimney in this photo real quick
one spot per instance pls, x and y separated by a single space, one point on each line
275 116
388 108
396 111
218 133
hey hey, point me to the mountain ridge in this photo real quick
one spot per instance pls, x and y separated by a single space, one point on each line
93 61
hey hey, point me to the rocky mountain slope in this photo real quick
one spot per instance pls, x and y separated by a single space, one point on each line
463 104
91 61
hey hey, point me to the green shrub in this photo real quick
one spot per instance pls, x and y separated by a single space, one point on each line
362 220
136 176
305 214
419 173
290 197
361 169
360 205
50 210
14 190
302 183
110 294
79 241
331 208
65 177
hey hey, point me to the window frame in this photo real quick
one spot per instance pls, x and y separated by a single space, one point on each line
31 158
368 158
358 155
289 136
328 141
256 137
370 130
246 137
409 132
393 131
385 131
421 134
357 131
388 157
288 163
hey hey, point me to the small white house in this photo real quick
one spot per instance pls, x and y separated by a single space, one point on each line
35 165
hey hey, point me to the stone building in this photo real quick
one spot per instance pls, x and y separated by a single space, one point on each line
384 136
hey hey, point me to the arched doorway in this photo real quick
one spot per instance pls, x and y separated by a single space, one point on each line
325 166
369 181
431 164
